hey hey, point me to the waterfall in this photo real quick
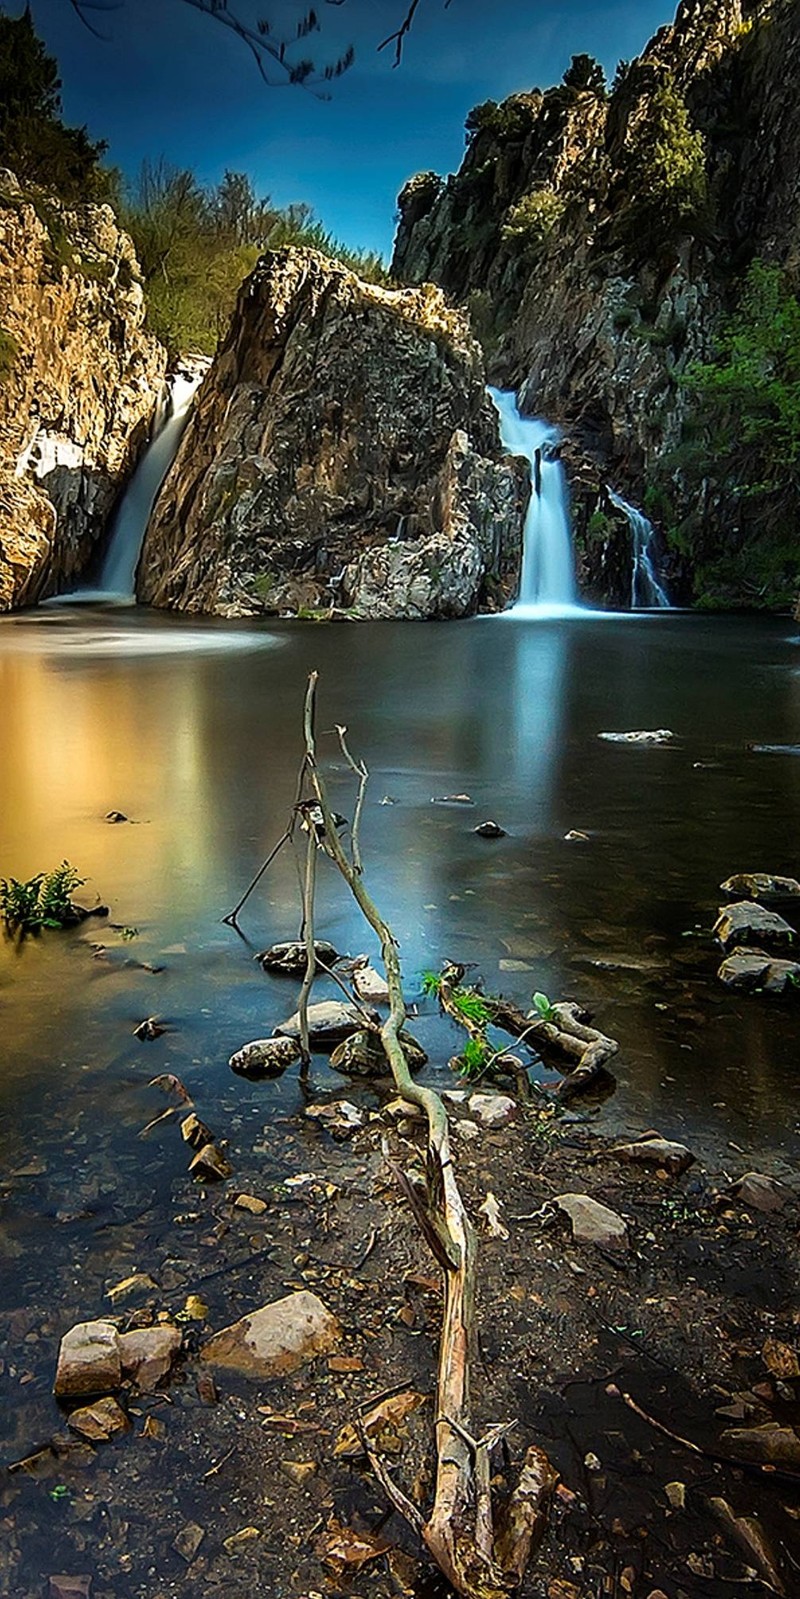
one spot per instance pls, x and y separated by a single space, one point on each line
548 572
133 512
646 591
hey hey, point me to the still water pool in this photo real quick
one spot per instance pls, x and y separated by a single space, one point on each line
192 730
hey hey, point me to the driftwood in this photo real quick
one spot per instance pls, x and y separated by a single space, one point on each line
562 1034
480 1559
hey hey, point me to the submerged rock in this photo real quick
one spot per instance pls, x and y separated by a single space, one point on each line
747 922
762 1192
265 1057
88 1360
100 1421
489 830
277 1339
370 985
342 453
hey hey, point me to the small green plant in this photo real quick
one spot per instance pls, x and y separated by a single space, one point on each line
128 933
431 982
473 1059
542 1004
43 901
471 1006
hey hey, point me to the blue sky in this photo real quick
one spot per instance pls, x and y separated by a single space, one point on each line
169 82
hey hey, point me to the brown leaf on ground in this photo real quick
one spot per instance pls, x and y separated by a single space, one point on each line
381 1424
340 1547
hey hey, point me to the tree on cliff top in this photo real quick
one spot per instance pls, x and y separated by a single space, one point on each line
34 142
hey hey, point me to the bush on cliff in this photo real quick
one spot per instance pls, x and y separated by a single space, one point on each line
664 172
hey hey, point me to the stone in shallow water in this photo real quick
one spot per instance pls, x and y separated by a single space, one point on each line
761 885
277 1339
88 1360
147 1354
593 1223
747 922
328 1023
656 1151
371 986
493 1110
661 735
750 969
265 1057
290 957
100 1421
761 1191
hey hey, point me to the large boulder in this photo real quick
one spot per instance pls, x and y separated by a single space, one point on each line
342 453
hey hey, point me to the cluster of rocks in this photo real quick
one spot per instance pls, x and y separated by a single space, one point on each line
758 942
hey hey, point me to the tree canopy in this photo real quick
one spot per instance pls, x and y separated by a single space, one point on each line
34 142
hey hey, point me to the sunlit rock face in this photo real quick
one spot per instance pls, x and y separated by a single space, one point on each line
79 380
595 321
342 454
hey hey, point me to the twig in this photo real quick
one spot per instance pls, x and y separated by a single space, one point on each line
309 884
371 1242
231 917
218 1464
363 778
763 1468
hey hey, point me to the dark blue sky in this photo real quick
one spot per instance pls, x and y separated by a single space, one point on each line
170 82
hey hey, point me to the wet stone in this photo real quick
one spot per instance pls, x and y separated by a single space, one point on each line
188 1541
70 1587
760 1191
148 1353
655 1151
88 1360
370 985
277 1339
328 1023
750 969
661 735
265 1057
100 1421
291 957
760 885
210 1165
493 1110
490 829
747 922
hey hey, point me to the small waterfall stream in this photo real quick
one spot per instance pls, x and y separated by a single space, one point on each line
133 513
647 593
548 570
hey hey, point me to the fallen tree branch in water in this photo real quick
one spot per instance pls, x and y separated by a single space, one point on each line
480 1559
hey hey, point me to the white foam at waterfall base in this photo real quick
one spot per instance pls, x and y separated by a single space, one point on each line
547 585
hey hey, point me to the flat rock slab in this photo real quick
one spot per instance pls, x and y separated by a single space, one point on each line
747 922
277 1339
593 1223
291 958
760 885
147 1354
70 1587
88 1360
265 1057
328 1023
493 1110
751 969
660 1152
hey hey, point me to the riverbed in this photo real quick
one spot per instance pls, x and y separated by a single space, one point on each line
192 731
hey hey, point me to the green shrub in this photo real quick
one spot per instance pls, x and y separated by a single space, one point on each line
531 222
509 122
34 142
664 171
44 901
584 72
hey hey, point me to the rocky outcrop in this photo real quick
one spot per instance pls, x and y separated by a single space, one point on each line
79 381
594 289
341 455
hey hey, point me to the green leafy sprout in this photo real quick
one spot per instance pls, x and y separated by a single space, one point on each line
43 901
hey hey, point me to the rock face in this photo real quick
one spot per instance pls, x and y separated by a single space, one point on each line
342 453
593 304
79 382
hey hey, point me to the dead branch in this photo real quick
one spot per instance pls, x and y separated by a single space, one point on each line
563 1035
458 1531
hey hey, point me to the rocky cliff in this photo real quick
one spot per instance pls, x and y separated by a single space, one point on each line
601 242
342 455
79 380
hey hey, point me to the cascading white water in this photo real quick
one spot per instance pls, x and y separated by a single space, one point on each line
133 513
647 593
548 569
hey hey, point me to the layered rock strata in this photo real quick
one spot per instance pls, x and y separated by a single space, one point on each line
342 456
79 381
